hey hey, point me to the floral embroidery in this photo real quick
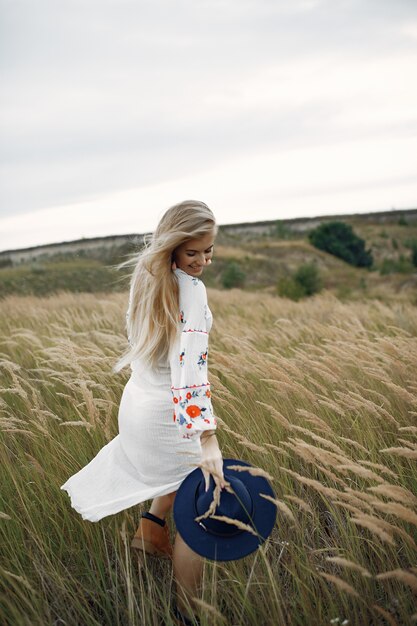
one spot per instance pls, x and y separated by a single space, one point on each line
193 411
181 419
202 360
191 394
192 403
191 386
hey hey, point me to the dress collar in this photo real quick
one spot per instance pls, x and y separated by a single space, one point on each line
177 269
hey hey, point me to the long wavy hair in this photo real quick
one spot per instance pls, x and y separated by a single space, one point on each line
153 313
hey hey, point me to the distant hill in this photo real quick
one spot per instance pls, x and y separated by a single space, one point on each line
264 251
94 247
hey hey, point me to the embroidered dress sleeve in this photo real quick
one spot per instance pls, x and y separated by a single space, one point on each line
193 411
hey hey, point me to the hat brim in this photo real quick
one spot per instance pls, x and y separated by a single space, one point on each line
224 548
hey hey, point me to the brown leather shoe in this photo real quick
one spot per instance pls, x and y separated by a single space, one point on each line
152 537
184 620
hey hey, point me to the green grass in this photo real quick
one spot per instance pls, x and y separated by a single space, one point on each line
51 277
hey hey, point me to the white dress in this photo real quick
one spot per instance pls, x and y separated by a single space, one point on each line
162 414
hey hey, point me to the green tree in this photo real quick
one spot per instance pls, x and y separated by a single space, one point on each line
290 288
305 281
233 276
338 239
307 275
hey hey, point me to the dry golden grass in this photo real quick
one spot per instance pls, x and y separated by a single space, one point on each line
406 577
346 563
341 584
320 396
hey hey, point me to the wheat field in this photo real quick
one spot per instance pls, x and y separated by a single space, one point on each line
320 394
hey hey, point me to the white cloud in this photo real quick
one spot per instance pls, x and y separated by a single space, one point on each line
234 100
275 185
410 29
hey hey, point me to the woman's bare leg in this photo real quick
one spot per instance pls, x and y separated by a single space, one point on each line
162 505
188 570
187 565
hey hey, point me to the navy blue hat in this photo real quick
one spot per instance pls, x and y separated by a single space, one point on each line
215 539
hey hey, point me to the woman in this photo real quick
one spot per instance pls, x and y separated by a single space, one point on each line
166 421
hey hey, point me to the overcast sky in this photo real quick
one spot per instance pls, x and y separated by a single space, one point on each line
113 110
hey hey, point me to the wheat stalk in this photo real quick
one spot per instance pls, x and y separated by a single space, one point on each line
281 506
351 564
406 452
396 492
399 574
254 471
235 522
375 526
340 584
301 503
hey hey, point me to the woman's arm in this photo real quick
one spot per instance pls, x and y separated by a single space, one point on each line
193 411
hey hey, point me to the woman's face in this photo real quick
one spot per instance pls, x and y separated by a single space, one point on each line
195 254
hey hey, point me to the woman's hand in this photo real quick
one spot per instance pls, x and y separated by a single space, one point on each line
211 459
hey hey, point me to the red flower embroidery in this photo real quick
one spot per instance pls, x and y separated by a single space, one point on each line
208 394
173 417
193 410
175 400
188 396
189 426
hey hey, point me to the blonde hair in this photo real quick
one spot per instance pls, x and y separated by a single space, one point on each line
153 314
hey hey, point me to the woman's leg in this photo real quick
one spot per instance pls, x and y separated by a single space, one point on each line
187 565
162 505
188 570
